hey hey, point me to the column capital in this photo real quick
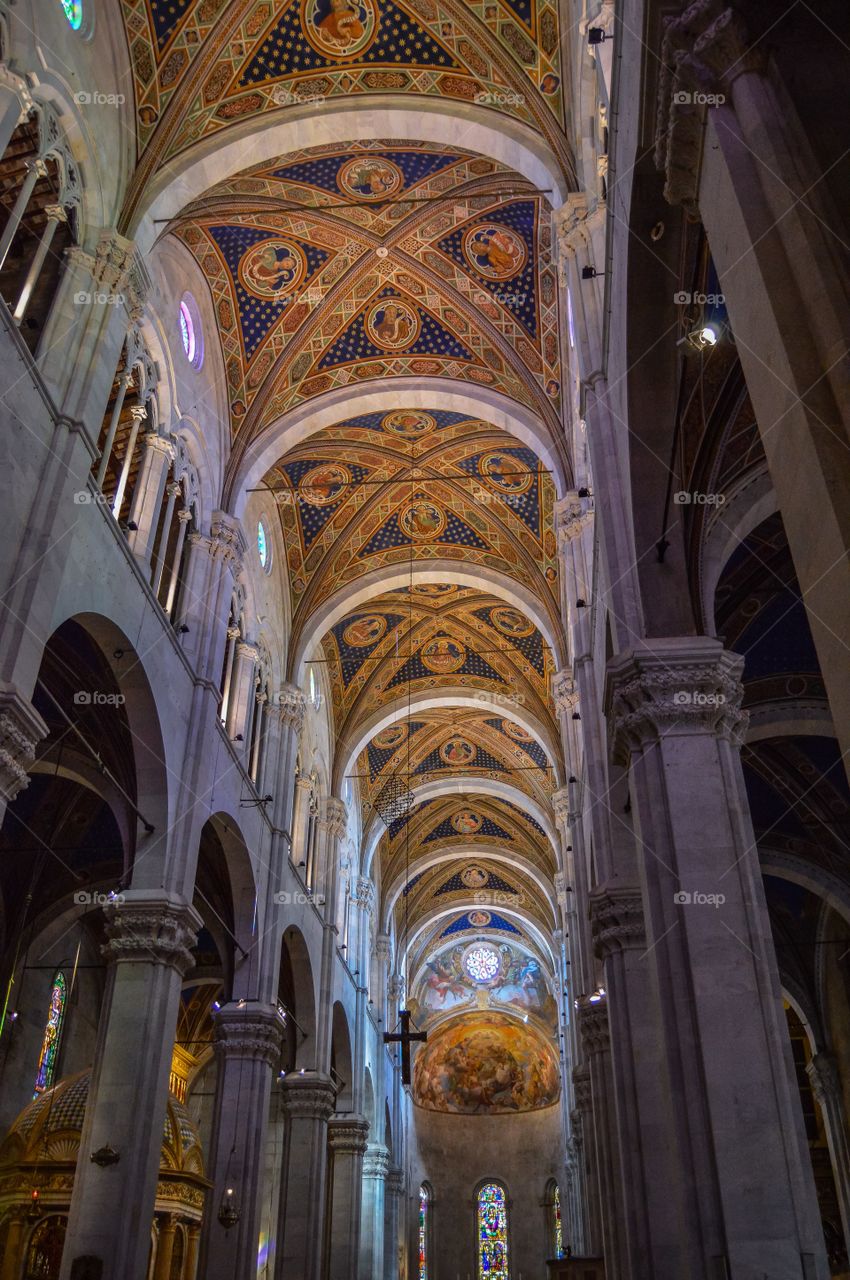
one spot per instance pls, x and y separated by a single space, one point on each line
672 687
572 515
564 691
395 1181
308 1096
184 515
364 894
247 652
21 730
561 806
616 919
376 1161
582 1089
143 928
113 259
382 946
249 1029
824 1078
334 816
291 703
226 541
593 1025
347 1134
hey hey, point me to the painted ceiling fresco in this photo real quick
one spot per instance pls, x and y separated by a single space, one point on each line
472 493
438 635
200 66
345 264
485 1064
483 974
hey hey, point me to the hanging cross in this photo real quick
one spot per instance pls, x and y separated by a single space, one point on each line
405 1038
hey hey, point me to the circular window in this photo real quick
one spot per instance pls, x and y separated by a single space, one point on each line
190 330
482 963
73 10
264 550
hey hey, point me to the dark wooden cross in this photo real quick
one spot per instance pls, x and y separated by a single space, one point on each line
405 1038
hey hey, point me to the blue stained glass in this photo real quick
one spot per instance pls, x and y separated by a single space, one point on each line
262 545
73 10
492 1233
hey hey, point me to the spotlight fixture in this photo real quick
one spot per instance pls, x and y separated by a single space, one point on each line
104 1157
183 629
576 715
583 493
581 604
597 35
590 273
703 336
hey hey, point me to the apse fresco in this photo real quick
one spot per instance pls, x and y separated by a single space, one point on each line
485 1064
512 978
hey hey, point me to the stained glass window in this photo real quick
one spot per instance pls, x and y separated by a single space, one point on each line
262 544
556 1215
492 1233
52 1034
74 13
423 1233
187 332
482 963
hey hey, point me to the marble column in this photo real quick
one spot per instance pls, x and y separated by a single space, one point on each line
167 1224
148 952
248 1038
826 1086
593 1025
347 1136
308 1103
674 716
11 1263
584 1148
650 1194
213 564
190 1265
146 503
393 1194
375 1169
241 692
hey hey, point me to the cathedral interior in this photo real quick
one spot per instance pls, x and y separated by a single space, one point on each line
424 632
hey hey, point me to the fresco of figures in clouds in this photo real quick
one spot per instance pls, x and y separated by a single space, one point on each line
485 1064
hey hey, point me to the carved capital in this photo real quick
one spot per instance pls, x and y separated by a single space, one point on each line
688 685
582 1090
142 929
247 652
572 515
593 1025
347 1135
561 806
290 703
376 1162
395 1181
616 919
308 1096
113 260
21 730
824 1079
226 542
565 692
703 51
248 1029
364 894
335 816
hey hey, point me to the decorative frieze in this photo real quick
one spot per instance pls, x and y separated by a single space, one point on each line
688 685
21 730
616 919
155 929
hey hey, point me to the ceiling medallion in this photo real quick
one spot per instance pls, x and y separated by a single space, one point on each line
408 423
474 877
273 269
390 738
505 473
370 178
467 822
392 325
339 29
324 484
457 752
365 631
511 622
495 252
443 656
422 520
